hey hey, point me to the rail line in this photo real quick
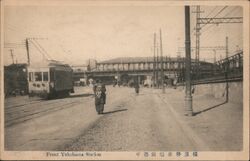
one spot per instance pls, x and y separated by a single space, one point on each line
221 79
39 113
9 110
20 105
26 106
28 109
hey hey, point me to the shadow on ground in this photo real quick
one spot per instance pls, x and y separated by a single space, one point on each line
110 112
81 95
210 108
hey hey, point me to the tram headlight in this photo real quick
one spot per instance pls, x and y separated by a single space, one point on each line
51 84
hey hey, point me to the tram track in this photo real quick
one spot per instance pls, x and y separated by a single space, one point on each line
21 109
39 113
20 105
31 105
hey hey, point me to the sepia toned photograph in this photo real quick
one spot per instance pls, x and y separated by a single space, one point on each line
146 80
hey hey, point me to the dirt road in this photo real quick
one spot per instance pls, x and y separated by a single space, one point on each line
130 123
141 122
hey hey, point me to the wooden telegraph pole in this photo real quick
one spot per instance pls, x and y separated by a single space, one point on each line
27 48
154 64
162 72
226 71
188 96
157 66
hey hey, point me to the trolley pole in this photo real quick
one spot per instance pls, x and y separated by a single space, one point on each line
27 48
162 72
12 56
188 96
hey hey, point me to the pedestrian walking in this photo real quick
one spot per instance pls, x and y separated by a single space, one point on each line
137 87
100 96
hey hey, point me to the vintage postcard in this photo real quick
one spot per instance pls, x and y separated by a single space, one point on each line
124 80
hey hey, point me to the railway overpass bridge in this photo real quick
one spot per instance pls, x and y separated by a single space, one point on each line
148 68
142 67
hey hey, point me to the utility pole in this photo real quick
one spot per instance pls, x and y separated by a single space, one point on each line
162 72
214 55
188 96
226 47
27 48
226 71
12 56
214 20
197 42
178 58
214 61
178 48
157 65
154 73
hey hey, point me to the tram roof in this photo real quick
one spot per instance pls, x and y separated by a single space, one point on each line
48 63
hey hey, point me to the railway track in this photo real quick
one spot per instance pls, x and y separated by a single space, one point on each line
22 108
26 111
214 80
20 101
31 114
28 105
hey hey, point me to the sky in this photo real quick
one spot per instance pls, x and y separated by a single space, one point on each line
74 34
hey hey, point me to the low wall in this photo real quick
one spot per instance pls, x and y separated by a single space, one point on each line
218 90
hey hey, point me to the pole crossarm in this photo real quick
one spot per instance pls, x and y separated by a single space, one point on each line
214 48
207 48
220 20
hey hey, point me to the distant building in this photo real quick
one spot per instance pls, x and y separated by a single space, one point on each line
79 74
91 64
79 68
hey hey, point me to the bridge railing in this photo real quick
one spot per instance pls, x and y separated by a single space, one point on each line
228 69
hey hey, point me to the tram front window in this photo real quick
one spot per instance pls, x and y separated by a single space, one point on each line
45 76
38 76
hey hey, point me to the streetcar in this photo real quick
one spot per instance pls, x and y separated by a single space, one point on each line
15 80
50 80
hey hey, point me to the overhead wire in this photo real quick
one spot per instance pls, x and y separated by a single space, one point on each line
210 26
42 48
230 11
216 15
211 12
35 45
13 45
204 25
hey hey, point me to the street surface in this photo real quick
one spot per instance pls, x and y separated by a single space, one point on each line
149 121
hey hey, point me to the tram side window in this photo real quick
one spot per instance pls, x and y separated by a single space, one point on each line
51 76
45 76
38 76
30 76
